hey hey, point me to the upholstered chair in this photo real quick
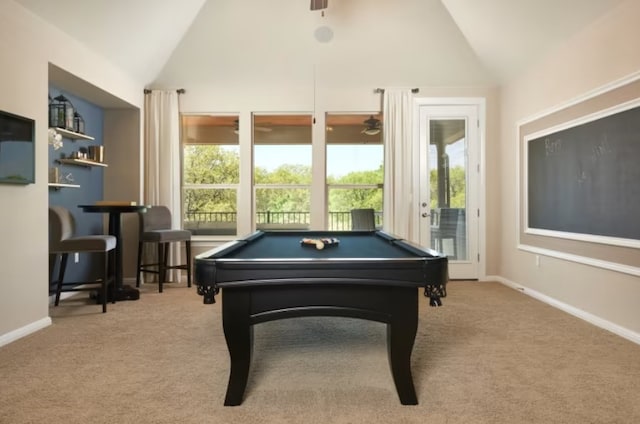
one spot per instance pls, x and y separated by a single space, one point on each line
62 242
155 229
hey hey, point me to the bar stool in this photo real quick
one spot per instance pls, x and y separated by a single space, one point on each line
155 227
62 241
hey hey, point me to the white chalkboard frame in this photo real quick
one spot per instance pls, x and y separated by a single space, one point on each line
615 254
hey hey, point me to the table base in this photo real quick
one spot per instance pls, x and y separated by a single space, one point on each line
244 307
124 293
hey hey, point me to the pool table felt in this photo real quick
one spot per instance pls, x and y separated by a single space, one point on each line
287 245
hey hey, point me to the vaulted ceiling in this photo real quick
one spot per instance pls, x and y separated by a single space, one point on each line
483 41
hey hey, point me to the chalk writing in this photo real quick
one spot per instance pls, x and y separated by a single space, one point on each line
552 146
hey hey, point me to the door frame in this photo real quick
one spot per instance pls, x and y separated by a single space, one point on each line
480 104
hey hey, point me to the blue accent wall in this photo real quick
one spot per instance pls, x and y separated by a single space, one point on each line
90 180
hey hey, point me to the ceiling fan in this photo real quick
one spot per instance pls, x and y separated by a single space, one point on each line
256 128
373 126
319 4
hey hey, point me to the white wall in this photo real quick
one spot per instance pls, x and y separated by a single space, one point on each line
27 46
602 53
123 177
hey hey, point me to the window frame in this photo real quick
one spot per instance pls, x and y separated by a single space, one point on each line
208 186
350 186
255 123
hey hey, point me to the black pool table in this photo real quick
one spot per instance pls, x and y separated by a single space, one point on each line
271 275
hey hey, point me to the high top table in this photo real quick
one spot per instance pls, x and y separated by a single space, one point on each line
121 292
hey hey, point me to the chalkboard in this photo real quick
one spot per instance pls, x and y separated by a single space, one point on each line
586 179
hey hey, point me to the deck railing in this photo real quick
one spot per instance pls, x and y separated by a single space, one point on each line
226 222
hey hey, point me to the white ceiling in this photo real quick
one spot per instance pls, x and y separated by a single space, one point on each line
483 41
509 35
136 35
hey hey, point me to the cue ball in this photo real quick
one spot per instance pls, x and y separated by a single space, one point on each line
319 245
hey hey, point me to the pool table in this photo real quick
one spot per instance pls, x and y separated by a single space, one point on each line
271 275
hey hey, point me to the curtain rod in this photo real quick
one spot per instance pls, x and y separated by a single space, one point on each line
179 91
381 90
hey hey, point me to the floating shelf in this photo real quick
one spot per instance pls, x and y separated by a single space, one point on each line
82 162
72 135
58 186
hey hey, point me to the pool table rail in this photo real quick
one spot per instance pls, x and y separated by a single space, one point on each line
225 266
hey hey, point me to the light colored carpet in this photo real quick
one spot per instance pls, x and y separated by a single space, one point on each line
489 355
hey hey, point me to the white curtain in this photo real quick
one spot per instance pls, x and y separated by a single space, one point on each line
399 164
162 157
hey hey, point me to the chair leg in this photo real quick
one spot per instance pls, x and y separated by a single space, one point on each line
187 248
165 260
53 259
63 266
138 270
162 265
105 283
111 281
53 283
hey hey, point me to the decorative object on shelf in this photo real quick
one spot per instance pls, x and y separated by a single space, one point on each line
67 179
55 139
54 175
82 154
96 153
78 123
61 113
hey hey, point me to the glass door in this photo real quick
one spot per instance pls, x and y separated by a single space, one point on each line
449 165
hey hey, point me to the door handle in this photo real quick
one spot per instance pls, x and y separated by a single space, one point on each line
425 215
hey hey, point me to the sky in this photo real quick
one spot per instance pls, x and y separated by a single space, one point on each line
341 159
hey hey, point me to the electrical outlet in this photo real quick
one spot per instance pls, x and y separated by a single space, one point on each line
76 257
538 260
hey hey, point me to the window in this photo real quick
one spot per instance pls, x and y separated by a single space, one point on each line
448 179
277 171
355 171
282 171
210 174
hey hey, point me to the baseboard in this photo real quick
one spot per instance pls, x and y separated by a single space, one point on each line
579 313
21 332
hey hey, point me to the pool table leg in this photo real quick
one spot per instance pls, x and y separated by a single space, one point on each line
401 334
239 335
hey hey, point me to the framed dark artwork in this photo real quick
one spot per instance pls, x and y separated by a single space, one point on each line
17 149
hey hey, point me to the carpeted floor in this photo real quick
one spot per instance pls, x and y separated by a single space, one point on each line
489 355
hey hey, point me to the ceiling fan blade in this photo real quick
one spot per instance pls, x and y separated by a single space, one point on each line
371 131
